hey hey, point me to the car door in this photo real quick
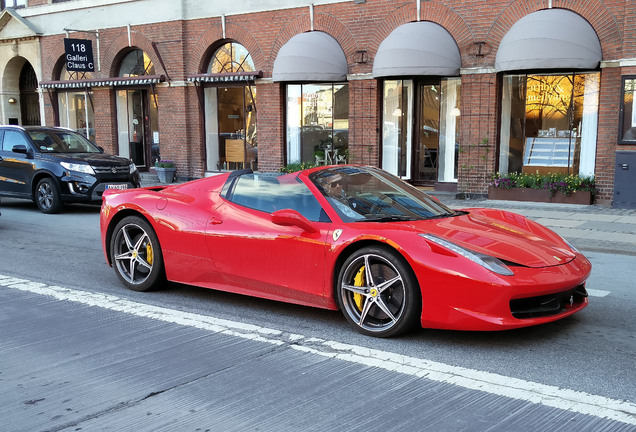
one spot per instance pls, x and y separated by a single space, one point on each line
16 169
259 257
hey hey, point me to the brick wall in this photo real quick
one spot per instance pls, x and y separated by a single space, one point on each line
478 133
184 47
364 127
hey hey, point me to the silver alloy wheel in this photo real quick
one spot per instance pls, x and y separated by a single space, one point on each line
373 293
45 195
133 254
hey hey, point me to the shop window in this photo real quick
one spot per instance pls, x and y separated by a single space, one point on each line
76 109
15 4
77 113
628 113
230 120
549 123
318 123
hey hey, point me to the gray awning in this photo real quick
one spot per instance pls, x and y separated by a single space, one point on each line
311 56
417 48
549 39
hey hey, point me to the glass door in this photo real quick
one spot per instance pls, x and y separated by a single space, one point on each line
137 127
397 115
426 149
436 141
134 128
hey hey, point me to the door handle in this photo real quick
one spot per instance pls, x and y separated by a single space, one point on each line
215 221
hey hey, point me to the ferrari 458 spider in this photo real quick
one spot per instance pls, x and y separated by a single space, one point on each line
345 237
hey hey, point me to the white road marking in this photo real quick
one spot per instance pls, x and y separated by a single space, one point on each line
552 396
598 293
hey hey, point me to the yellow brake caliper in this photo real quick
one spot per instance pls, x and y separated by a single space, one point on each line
359 281
149 253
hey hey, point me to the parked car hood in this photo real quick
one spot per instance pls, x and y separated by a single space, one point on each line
504 235
95 159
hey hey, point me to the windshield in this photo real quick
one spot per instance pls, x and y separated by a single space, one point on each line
61 141
370 194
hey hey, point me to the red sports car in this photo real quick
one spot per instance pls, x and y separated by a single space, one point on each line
346 237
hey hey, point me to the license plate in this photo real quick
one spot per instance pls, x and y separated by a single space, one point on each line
117 186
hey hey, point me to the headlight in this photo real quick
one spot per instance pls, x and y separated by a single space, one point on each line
83 168
570 245
132 168
489 262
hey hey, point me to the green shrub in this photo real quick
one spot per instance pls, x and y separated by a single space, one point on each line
293 167
564 183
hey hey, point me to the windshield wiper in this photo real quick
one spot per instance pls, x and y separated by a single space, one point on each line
387 218
447 215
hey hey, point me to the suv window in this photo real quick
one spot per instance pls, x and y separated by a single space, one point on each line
13 138
61 142
265 193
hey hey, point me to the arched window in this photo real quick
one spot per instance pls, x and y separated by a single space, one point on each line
136 63
231 57
66 75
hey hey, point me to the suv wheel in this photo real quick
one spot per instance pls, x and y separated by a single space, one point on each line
47 196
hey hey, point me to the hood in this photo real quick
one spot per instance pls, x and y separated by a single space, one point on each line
94 159
504 235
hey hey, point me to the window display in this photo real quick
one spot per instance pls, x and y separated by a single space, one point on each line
628 113
548 123
318 123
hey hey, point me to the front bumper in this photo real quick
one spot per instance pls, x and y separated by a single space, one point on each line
89 188
531 296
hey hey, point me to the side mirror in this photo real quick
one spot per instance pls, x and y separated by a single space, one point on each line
20 148
289 217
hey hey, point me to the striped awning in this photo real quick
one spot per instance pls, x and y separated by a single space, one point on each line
225 77
103 82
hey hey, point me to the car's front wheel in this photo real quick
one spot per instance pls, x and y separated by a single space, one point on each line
378 292
136 255
47 196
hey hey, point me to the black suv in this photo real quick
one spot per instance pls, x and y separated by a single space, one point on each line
53 166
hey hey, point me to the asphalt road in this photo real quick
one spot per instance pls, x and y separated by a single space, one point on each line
79 351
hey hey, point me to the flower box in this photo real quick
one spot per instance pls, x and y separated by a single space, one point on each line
539 195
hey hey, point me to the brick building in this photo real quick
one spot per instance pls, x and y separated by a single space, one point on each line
442 93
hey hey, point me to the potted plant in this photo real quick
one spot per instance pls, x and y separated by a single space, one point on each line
166 170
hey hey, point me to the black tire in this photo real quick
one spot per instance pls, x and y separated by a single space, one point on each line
136 255
378 293
47 196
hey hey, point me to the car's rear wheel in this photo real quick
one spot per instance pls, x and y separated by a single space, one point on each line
378 292
136 254
47 196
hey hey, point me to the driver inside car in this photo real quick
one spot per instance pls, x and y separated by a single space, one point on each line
334 189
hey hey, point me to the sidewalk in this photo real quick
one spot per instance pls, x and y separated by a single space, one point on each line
589 228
